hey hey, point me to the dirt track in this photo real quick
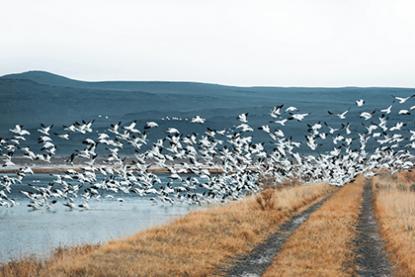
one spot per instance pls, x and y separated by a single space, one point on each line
256 262
371 259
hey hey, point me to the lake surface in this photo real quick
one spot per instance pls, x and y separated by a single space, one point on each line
24 232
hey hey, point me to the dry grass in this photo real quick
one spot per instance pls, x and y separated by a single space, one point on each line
395 211
405 177
33 267
195 245
266 199
323 245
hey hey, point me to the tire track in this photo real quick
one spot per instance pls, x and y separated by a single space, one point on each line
371 255
260 258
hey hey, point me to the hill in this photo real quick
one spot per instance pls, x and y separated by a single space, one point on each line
47 78
35 97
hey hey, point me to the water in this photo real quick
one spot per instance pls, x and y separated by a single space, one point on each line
24 233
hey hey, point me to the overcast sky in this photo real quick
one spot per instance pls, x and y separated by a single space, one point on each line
280 43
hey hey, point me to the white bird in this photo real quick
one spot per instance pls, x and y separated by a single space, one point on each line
44 129
150 125
366 115
299 117
48 144
402 100
279 133
131 128
340 115
397 126
276 111
198 120
387 110
281 122
360 102
265 128
245 127
243 118
173 131
63 136
18 130
291 109
404 112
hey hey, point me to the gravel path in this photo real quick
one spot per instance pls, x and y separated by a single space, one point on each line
256 262
371 256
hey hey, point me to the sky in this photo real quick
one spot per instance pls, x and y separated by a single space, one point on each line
326 43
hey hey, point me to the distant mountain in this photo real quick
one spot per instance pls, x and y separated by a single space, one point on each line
43 77
33 97
47 78
170 87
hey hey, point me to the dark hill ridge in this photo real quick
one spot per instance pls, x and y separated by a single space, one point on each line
42 77
47 78
34 97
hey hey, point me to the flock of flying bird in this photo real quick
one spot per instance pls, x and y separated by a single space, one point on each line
216 165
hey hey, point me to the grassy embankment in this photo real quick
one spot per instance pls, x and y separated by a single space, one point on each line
323 245
395 211
194 245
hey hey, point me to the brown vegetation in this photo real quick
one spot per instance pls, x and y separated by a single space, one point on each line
405 177
195 245
395 211
266 199
323 245
32 266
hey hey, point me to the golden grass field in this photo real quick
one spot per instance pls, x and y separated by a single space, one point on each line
395 211
198 244
323 245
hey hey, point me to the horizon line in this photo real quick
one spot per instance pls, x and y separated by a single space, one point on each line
4 76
